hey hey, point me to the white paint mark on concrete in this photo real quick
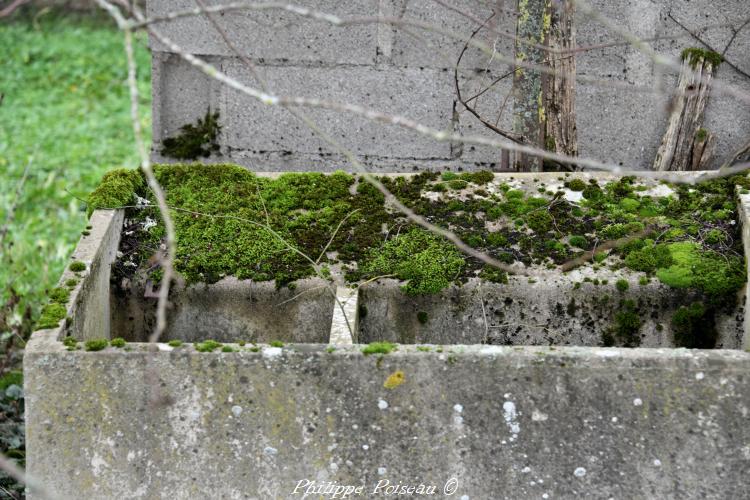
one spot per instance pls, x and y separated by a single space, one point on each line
538 416
458 408
699 376
510 416
382 471
236 410
272 352
657 462
637 402
382 404
268 450
579 472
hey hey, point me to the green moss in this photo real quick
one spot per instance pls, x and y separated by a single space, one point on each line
422 317
643 280
715 236
514 194
694 327
95 344
423 348
276 343
194 141
77 266
715 275
578 241
227 348
629 204
175 343
622 285
449 176
482 177
71 282
694 56
592 192
701 134
649 258
428 263
70 342
379 348
116 189
458 184
494 275
51 316
330 349
118 342
496 239
576 185
539 221
59 295
619 230
627 324
207 346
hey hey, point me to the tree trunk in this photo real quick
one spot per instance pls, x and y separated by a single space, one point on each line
559 87
686 145
528 104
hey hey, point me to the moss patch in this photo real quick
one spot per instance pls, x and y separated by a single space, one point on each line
207 346
694 327
194 141
118 342
59 295
379 348
51 316
77 266
117 189
694 56
231 222
428 263
96 344
715 275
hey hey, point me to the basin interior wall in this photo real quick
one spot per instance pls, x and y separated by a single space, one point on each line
577 308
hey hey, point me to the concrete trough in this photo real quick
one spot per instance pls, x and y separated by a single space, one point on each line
539 419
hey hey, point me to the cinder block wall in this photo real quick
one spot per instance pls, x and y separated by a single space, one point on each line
410 72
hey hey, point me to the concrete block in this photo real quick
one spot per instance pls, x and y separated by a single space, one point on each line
181 94
489 422
404 45
423 95
273 34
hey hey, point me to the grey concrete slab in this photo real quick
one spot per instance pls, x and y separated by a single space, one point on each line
491 422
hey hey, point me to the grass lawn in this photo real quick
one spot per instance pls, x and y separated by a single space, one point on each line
66 107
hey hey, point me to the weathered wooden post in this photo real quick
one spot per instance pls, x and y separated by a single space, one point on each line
528 104
544 101
559 97
686 145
